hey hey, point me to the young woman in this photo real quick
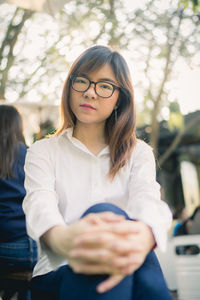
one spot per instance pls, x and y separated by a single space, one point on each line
92 201
17 250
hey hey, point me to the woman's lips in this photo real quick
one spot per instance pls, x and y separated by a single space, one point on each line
87 107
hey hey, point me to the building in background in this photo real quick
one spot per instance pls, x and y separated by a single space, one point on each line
179 175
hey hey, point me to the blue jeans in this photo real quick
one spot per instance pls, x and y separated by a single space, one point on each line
147 283
18 255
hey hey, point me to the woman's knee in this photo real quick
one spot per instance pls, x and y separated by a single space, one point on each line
151 284
104 207
149 281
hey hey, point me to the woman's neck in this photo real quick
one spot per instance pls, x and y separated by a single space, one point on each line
92 136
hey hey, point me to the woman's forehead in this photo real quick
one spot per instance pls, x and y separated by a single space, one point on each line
91 64
100 71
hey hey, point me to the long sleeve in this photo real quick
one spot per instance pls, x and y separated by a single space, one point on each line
144 202
41 202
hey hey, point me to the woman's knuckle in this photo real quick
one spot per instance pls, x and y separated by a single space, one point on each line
101 256
89 216
130 271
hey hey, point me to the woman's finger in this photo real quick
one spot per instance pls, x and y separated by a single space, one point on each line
110 217
126 227
103 217
109 283
125 244
124 262
94 238
84 268
99 255
116 243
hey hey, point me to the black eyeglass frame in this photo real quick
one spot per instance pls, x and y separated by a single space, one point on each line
115 87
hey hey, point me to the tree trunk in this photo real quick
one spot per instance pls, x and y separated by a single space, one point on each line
157 104
8 45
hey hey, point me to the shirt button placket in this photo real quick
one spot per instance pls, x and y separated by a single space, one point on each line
95 179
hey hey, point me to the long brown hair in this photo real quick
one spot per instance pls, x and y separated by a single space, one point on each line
121 134
11 134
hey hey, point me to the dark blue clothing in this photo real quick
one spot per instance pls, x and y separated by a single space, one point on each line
12 192
147 283
18 252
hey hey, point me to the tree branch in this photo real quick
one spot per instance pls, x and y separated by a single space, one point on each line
10 41
157 103
177 140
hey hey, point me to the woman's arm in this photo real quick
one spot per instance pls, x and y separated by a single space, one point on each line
40 203
144 201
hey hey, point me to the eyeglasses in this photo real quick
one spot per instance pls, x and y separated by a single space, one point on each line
102 88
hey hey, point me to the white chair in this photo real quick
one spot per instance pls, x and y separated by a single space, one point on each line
187 266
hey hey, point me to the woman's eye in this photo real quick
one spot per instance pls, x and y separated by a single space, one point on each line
106 86
80 80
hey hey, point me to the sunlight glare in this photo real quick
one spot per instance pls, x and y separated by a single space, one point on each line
188 89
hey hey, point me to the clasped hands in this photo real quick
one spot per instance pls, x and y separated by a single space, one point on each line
103 243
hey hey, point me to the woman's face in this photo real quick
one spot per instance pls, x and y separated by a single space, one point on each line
88 107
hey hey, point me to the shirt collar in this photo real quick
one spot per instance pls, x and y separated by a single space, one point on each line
69 134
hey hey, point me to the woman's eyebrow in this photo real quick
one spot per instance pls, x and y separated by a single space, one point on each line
83 74
107 79
100 79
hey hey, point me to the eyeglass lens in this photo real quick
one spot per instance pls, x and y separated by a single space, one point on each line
103 89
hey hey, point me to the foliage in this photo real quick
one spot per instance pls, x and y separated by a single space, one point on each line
46 47
194 4
164 38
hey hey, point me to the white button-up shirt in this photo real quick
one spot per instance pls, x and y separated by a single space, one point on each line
63 179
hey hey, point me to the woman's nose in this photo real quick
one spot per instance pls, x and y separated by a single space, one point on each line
90 93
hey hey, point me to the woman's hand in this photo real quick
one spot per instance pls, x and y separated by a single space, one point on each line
102 243
120 252
137 243
63 239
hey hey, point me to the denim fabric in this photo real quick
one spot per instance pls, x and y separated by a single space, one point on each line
147 283
18 255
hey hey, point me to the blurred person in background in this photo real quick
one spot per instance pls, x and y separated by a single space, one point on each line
194 224
18 251
46 128
182 215
191 225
